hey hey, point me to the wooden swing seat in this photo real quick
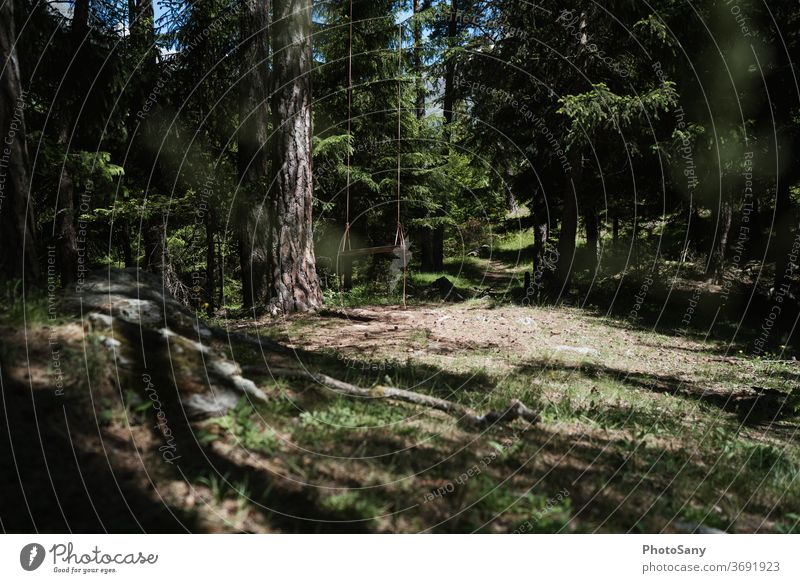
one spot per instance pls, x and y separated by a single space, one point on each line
372 251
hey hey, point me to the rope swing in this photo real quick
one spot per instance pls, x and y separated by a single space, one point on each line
399 247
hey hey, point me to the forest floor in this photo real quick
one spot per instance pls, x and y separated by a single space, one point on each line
641 430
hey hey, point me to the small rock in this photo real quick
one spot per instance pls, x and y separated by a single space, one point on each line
205 404
111 342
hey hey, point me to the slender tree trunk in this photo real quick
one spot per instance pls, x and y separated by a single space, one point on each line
124 233
511 201
448 101
438 248
294 285
66 237
211 269
784 223
80 20
569 226
154 241
419 102
427 238
220 276
569 219
253 153
716 266
592 226
436 254
142 39
142 20
18 256
541 232
426 249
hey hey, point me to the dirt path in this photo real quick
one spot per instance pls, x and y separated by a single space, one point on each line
496 338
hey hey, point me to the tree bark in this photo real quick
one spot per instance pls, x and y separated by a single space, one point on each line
569 228
756 246
141 41
66 236
435 253
124 235
592 226
294 286
253 153
784 223
448 101
716 266
18 258
80 20
155 247
211 260
437 248
427 244
569 218
419 102
541 232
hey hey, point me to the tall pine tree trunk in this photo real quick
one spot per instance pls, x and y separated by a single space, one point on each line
18 256
211 258
67 240
419 101
592 225
294 286
253 154
428 257
436 253
569 226
142 40
783 230
541 232
716 266
66 237
569 218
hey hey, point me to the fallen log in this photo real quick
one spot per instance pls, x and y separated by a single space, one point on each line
515 409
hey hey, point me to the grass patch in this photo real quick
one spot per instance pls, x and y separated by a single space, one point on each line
243 425
425 279
354 505
33 307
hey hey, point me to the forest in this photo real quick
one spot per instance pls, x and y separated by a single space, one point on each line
400 266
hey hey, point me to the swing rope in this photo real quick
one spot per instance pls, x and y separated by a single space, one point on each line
399 237
346 237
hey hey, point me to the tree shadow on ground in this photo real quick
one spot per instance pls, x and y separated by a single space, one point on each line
285 504
751 407
61 472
